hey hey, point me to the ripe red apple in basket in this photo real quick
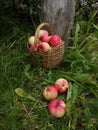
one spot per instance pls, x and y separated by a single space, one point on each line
61 85
43 36
50 92
43 47
55 40
31 40
57 108
42 33
31 47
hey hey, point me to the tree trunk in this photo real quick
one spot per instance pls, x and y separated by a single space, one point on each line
60 15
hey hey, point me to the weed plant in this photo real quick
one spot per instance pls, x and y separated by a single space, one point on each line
22 106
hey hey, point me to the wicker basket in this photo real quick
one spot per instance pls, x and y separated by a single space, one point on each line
51 58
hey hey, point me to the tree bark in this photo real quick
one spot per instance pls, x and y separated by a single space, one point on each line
60 15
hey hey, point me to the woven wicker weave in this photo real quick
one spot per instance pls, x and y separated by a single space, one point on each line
51 58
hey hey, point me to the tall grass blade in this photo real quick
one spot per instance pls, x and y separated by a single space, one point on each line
76 37
91 19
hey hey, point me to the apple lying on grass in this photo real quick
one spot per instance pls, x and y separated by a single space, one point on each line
61 85
50 92
57 108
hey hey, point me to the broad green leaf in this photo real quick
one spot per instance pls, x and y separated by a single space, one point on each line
20 92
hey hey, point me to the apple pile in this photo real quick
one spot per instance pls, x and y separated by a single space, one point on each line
45 41
56 107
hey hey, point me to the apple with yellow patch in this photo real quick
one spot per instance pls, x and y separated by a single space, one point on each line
43 47
50 92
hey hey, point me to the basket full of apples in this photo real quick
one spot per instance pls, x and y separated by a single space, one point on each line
45 47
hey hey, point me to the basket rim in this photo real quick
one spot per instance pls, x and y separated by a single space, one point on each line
50 50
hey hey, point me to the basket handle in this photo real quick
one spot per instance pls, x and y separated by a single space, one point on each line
50 30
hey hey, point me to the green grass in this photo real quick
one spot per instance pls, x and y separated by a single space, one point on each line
28 110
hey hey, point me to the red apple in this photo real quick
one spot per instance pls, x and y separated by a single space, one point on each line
57 108
42 33
55 40
45 38
61 85
31 40
31 47
50 92
49 37
43 47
